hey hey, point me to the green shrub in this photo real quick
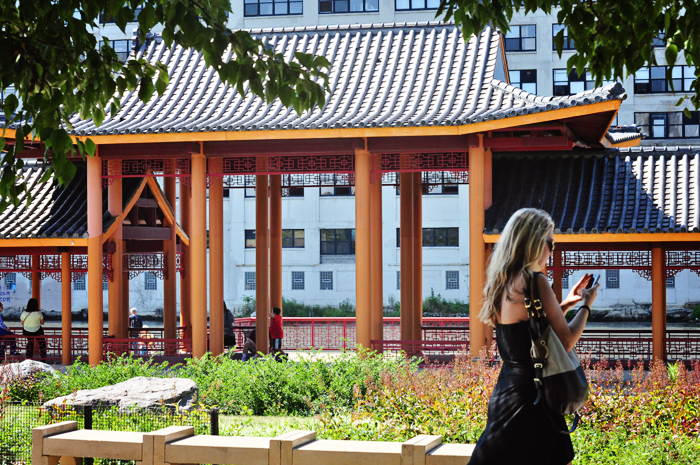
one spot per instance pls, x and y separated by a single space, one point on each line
436 305
696 312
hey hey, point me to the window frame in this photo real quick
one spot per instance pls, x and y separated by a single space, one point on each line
668 125
451 275
520 38
334 194
568 43
448 232
294 238
521 82
273 4
80 284
671 282
326 276
686 80
349 11
248 283
411 8
298 277
150 284
335 241
612 279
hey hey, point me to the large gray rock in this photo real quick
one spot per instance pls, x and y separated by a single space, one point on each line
23 369
141 392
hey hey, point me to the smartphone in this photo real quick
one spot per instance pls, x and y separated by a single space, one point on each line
593 281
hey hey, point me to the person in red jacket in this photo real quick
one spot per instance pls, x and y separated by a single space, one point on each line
276 332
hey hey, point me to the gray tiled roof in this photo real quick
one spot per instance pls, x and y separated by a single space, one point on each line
54 212
637 189
382 75
621 134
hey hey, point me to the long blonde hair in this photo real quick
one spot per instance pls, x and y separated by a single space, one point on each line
518 250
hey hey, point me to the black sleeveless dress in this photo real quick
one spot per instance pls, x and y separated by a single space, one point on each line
517 431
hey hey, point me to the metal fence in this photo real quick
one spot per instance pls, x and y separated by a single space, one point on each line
18 419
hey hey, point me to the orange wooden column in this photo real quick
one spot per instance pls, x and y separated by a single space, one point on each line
377 265
406 239
198 252
276 240
216 264
363 273
185 277
477 246
66 303
115 314
417 257
557 275
262 270
36 279
94 216
658 303
170 251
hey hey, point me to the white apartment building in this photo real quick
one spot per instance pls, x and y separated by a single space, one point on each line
318 223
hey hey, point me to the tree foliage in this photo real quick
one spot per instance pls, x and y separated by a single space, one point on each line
613 38
53 56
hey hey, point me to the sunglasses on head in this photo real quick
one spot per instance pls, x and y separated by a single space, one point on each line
552 245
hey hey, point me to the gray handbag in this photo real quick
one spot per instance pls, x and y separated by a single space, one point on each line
559 376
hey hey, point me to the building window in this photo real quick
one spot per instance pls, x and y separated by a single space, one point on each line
521 39
525 79
293 238
398 280
250 238
440 237
565 282
568 43
326 280
79 284
337 242
435 237
121 47
572 83
653 80
298 280
405 5
438 183
673 125
105 286
451 280
337 191
10 280
347 6
270 8
292 192
671 282
612 279
151 282
250 280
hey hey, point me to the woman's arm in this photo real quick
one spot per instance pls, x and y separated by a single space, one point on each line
568 333
574 296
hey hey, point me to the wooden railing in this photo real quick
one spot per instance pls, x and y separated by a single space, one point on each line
179 445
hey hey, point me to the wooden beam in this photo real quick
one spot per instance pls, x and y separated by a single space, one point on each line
250 148
146 203
528 143
425 144
614 238
149 150
146 233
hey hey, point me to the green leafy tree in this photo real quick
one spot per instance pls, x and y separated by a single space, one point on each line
613 38
53 64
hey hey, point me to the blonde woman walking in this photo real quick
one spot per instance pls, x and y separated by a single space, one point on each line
518 431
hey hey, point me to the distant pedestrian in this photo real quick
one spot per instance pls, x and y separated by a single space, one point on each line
135 322
5 333
229 334
276 331
32 319
249 348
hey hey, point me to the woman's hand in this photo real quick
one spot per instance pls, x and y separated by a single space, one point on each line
588 296
575 294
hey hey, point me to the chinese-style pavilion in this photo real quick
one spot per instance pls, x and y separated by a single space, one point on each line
405 98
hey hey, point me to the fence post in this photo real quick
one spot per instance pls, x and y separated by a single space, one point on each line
87 424
214 421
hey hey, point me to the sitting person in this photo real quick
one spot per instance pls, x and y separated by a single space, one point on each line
249 349
229 334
